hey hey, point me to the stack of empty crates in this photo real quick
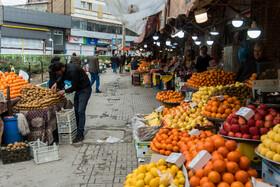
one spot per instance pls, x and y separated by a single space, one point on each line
66 126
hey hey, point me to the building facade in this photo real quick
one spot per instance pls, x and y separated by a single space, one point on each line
25 31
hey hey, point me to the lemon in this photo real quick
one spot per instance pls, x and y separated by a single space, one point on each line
154 182
175 168
129 176
140 183
180 173
264 151
132 181
276 157
141 169
154 172
140 176
148 178
270 154
171 171
182 180
161 162
176 182
169 165
151 165
162 185
161 167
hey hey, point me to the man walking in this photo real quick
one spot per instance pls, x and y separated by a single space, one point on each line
122 62
75 60
114 60
81 86
94 71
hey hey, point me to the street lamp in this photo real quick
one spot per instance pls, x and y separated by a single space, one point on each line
254 31
51 40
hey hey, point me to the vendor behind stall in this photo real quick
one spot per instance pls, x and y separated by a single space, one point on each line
202 61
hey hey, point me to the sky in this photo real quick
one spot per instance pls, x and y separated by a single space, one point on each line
13 2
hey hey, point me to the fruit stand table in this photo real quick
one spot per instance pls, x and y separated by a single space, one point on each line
42 122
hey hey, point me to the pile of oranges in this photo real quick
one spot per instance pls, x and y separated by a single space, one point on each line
14 81
211 78
170 96
221 109
144 66
227 166
254 76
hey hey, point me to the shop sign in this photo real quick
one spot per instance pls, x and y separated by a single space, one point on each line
91 41
104 42
74 39
101 49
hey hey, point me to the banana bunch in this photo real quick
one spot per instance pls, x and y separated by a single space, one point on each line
154 122
153 115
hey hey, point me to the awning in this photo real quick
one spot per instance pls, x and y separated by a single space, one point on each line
127 48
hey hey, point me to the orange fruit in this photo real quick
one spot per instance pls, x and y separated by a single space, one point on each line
214 109
209 146
162 152
230 100
242 176
216 156
214 177
167 153
223 151
169 147
252 173
232 167
219 166
237 184
223 184
194 181
199 173
244 163
224 116
228 111
213 115
203 180
219 142
221 110
208 184
190 174
207 169
228 178
233 156
248 184
231 145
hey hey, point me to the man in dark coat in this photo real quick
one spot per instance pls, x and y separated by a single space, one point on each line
122 62
75 60
202 61
54 76
93 68
115 61
81 86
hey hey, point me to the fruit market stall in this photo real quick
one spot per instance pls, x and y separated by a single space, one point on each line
170 98
39 105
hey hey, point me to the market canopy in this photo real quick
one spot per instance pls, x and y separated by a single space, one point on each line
133 13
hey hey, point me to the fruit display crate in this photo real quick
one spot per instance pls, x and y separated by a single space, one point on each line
66 127
67 138
14 156
212 128
65 115
46 154
265 158
263 97
35 144
241 139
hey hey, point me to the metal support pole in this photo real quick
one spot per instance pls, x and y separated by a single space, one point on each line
123 38
117 41
42 70
29 71
9 101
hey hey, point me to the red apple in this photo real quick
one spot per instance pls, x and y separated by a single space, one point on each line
263 130
262 111
270 129
273 112
223 132
256 137
229 118
251 107
254 131
231 134
257 116
228 128
238 135
234 114
276 120
263 106
235 128
244 129
234 120
241 120
246 136
268 117
259 123
251 122
268 124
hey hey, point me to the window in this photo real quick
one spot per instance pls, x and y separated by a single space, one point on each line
48 42
58 37
86 5
83 4
89 6
75 23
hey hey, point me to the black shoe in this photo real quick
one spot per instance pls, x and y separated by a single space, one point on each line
98 92
78 138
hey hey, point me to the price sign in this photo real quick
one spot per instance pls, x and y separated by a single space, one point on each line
193 104
247 113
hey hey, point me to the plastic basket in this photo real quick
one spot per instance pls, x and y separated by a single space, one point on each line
65 115
14 156
66 127
46 154
267 70
263 97
34 145
67 138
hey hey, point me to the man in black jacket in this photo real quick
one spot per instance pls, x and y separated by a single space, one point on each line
202 61
54 76
81 86
115 61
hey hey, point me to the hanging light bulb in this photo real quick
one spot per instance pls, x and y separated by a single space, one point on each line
145 46
237 22
254 31
210 42
155 37
173 46
197 42
180 34
155 42
214 32
175 43
158 44
194 37
200 15
168 42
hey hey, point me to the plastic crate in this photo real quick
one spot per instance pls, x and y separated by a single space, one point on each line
65 115
46 154
14 156
267 70
263 97
66 127
67 138
35 144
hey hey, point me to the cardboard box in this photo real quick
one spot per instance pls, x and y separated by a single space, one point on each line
176 158
247 113
143 149
257 183
271 173
194 132
157 157
200 160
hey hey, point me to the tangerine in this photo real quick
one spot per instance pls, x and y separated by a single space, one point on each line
237 184
228 178
232 167
242 176
252 173
231 145
233 156
214 177
244 163
223 184
219 166
194 181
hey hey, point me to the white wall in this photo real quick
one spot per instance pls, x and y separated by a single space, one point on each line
87 50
